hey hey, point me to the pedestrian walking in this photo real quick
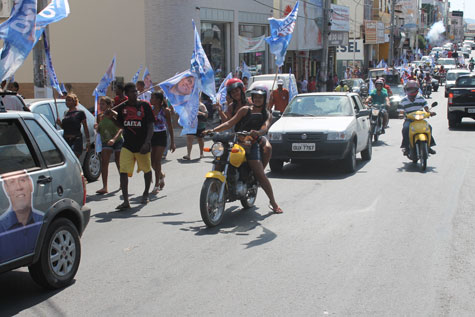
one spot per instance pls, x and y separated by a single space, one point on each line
202 116
71 125
279 98
135 117
111 138
163 122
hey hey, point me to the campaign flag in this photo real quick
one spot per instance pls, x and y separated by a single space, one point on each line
147 78
201 66
22 30
54 12
136 76
18 34
381 64
183 93
292 92
371 85
281 33
245 71
221 95
106 80
53 79
63 88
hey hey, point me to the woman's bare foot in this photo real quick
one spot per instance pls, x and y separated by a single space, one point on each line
102 191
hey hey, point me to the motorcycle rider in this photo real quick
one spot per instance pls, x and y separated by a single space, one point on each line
380 97
471 63
413 101
428 81
386 86
342 87
256 119
236 92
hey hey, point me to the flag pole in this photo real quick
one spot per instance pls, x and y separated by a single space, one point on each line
275 78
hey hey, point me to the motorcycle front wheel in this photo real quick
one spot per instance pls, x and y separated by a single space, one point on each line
212 210
424 152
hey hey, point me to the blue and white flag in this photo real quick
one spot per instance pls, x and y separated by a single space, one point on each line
23 29
371 85
292 92
147 79
106 80
53 79
381 64
201 66
109 76
136 76
281 33
63 88
245 71
222 91
18 33
183 93
54 12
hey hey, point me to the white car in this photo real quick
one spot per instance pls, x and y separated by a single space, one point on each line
449 63
328 126
451 77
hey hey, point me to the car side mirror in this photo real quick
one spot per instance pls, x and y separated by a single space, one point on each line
363 113
434 104
276 114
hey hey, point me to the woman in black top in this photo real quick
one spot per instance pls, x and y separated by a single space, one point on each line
71 124
256 119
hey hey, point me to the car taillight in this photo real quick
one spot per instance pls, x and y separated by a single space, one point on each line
451 96
83 189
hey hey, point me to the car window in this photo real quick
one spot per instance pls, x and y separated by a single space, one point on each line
12 102
45 110
358 105
465 81
62 109
48 149
15 151
319 106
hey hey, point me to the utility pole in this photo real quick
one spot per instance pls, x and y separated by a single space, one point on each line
391 38
326 33
39 61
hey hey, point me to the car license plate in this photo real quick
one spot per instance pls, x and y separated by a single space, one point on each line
303 147
471 110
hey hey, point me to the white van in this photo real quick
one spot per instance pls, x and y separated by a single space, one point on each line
266 81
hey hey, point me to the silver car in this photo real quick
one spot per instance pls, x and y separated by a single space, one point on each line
42 200
91 161
451 77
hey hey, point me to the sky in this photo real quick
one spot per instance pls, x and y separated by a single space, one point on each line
458 5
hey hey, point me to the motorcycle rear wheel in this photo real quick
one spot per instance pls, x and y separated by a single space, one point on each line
250 199
212 210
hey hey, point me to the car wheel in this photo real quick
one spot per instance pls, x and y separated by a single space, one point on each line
453 120
349 162
59 257
367 153
276 165
92 165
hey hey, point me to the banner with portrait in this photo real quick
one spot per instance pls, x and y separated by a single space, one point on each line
183 93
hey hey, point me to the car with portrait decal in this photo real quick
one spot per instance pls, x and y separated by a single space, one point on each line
43 210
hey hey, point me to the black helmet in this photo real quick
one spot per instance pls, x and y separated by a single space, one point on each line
259 91
342 83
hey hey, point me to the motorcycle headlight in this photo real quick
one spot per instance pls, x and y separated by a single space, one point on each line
275 136
375 112
217 149
418 117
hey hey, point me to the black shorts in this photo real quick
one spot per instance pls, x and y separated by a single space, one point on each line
199 133
255 153
159 138
75 143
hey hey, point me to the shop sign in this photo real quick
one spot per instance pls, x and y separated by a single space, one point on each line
374 32
251 44
338 39
340 18
354 50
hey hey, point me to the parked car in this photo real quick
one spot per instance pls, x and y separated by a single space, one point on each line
41 177
91 161
451 77
357 85
461 102
328 126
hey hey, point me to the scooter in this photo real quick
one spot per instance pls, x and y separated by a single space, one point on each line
230 179
419 137
376 120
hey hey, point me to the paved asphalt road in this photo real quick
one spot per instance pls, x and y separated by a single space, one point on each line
385 241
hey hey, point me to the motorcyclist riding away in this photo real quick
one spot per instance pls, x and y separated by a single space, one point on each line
342 87
380 97
413 101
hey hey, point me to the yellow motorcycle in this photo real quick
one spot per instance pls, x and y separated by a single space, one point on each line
230 179
419 137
